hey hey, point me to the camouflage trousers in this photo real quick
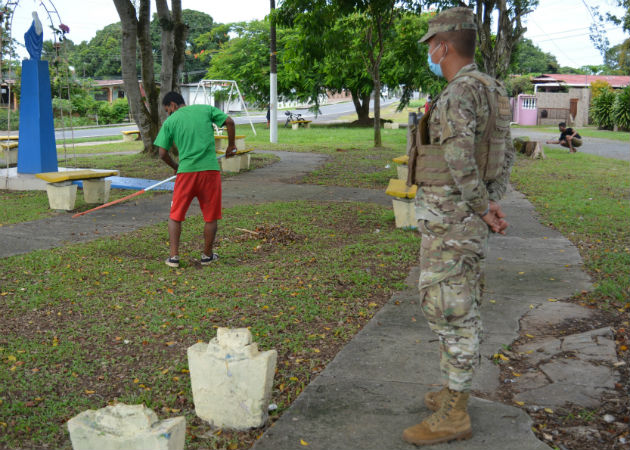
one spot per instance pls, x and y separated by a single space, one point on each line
452 258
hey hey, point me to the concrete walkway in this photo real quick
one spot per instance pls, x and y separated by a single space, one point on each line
373 389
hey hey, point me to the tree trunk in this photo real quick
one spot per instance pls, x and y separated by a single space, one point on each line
172 46
496 57
377 108
146 107
362 107
139 108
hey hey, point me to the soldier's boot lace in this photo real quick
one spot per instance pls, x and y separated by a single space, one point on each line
434 399
450 422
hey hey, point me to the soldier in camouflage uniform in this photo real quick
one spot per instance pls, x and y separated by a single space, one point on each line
461 162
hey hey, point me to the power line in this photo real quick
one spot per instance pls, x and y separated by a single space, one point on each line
559 49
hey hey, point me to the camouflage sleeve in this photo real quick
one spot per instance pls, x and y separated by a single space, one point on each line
458 120
497 188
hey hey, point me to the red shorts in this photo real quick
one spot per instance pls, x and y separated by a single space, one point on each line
206 186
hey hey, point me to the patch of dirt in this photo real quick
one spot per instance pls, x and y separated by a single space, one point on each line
574 427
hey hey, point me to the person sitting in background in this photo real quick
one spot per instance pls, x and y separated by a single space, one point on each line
568 138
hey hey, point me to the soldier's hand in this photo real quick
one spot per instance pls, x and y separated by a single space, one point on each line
495 218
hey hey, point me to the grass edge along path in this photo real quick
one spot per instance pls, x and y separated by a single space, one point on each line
90 324
587 199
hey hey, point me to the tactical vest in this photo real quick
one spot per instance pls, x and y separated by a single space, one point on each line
427 165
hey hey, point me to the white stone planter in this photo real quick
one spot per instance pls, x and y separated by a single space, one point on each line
126 427
231 380
232 164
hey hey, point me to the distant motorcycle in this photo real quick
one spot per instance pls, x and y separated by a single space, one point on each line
292 118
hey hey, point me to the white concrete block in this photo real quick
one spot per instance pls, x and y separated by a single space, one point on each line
232 164
402 172
245 161
96 190
295 126
9 156
220 143
126 427
392 125
405 212
231 380
62 195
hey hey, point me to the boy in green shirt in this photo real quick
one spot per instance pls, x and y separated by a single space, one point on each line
190 129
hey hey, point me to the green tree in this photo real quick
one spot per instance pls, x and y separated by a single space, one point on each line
528 58
100 57
245 58
617 58
498 37
403 63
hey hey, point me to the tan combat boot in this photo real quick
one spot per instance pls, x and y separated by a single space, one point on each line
434 399
451 422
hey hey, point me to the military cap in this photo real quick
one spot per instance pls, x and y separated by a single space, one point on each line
454 19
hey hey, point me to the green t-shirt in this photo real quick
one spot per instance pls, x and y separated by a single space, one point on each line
190 129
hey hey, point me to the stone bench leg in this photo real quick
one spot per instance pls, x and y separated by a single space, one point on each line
62 195
307 125
405 213
232 165
220 144
402 172
245 161
9 156
129 137
240 143
96 191
295 126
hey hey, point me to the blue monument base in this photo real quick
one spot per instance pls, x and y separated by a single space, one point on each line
37 151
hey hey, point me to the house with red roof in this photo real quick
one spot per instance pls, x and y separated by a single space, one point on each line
566 97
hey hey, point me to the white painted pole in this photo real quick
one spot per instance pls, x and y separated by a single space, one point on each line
273 82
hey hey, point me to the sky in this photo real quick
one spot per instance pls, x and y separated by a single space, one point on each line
559 27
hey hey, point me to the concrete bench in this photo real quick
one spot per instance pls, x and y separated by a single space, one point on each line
234 164
220 142
295 124
62 192
9 149
401 166
403 202
131 135
391 125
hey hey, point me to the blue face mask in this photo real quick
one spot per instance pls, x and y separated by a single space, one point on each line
435 67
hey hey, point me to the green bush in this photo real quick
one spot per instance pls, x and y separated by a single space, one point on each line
84 104
4 120
602 109
621 109
117 112
61 105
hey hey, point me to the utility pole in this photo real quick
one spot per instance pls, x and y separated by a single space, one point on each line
273 81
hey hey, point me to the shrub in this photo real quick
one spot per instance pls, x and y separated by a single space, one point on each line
621 109
602 109
4 120
598 87
61 105
84 104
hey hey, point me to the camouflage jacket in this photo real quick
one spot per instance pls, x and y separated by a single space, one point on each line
457 122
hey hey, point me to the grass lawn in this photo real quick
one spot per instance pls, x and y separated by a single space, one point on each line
89 324
117 146
587 198
69 141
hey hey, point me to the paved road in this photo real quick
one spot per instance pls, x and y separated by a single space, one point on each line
329 112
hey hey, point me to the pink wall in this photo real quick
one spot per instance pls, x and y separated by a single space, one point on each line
525 112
